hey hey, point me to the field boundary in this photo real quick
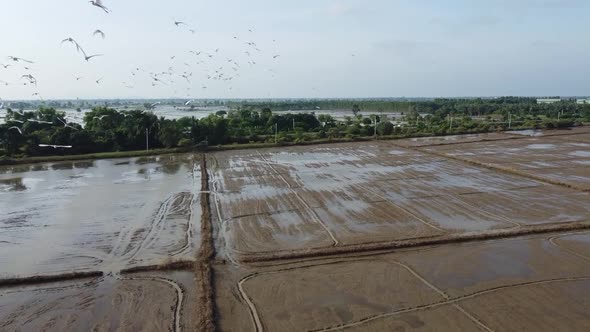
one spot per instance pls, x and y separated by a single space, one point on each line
502 169
205 257
414 243
183 265
45 279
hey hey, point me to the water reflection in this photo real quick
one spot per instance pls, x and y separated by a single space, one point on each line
84 164
39 167
19 169
15 184
62 166
171 168
145 160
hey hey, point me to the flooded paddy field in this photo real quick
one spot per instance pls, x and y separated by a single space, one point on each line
302 198
282 214
383 235
102 215
561 159
165 302
491 286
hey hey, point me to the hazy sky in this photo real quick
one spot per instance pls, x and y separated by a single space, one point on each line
328 48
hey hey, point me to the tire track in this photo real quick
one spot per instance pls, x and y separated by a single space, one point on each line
155 225
189 229
255 315
450 301
428 224
573 252
179 297
215 183
301 200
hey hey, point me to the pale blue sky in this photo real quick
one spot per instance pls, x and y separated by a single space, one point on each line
400 48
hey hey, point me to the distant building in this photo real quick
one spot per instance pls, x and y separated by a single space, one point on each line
548 100
583 101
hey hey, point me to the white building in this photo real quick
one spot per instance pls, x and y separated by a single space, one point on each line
548 100
583 101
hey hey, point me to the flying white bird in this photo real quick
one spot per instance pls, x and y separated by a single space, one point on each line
98 80
71 40
66 125
5 66
98 3
179 23
17 128
188 102
154 104
30 78
17 59
276 56
88 57
98 32
17 121
55 146
78 78
100 117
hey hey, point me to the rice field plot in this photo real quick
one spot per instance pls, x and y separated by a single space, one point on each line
556 158
140 302
452 139
489 285
312 197
102 215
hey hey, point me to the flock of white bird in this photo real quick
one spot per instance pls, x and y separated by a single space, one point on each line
226 72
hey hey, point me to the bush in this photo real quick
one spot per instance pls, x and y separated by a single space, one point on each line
184 142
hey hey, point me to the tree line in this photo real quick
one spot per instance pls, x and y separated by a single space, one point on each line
107 130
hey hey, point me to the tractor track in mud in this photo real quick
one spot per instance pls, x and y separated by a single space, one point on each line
176 323
451 301
308 208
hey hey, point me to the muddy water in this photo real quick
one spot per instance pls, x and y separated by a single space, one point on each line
97 215
103 304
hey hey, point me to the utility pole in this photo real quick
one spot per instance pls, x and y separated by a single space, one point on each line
509 120
451 125
375 127
276 132
293 124
147 140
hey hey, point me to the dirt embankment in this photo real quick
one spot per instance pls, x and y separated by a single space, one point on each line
180 265
205 257
41 279
414 243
